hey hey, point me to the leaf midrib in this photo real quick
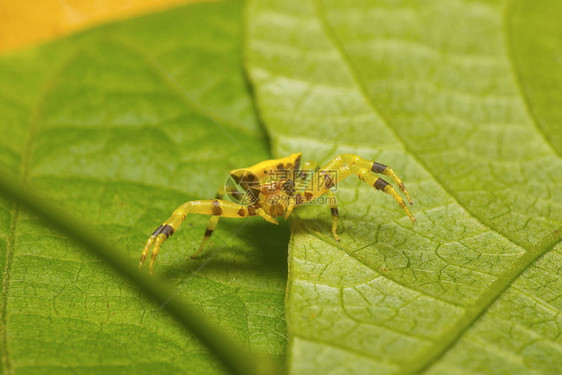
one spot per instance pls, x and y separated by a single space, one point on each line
475 311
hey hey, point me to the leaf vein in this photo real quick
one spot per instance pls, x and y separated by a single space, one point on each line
474 312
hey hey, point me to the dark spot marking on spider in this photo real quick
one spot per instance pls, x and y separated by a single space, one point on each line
216 210
251 211
248 179
378 167
334 211
208 232
276 210
280 166
241 212
380 184
298 162
308 196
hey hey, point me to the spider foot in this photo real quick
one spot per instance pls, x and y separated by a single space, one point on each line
289 209
153 245
336 237
262 213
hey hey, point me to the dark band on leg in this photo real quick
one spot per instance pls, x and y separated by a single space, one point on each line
208 232
334 211
297 163
378 167
380 184
216 210
158 231
167 230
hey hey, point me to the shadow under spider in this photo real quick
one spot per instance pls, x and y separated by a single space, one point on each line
263 250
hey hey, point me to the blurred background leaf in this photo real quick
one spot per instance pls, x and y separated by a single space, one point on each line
120 125
27 22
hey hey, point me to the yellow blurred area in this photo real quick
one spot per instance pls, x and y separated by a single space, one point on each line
27 22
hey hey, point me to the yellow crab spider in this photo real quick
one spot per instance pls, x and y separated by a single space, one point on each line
271 189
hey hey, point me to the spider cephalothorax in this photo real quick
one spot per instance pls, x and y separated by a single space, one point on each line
273 188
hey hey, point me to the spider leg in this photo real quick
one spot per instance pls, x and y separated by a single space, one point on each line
375 167
213 222
337 170
334 212
260 211
355 161
214 207
378 183
289 209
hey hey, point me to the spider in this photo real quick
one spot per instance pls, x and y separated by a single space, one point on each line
273 188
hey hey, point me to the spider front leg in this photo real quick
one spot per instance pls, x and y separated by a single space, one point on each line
364 169
343 166
380 184
215 207
375 167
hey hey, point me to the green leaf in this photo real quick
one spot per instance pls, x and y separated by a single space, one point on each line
120 125
447 94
